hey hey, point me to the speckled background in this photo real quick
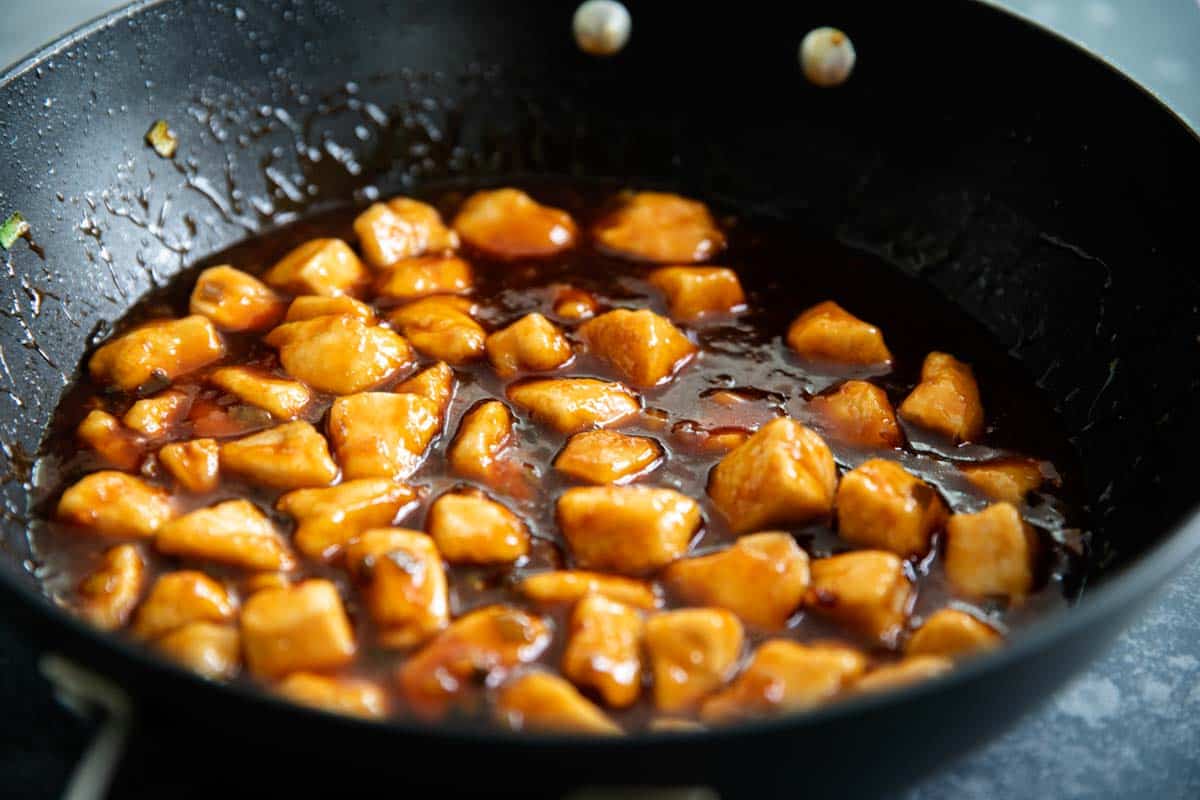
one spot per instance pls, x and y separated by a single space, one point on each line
1129 727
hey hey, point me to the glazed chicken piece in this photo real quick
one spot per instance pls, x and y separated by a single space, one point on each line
880 505
661 227
866 590
531 344
507 223
480 646
484 434
301 627
642 347
340 354
786 676
195 465
157 352
326 267
1009 480
234 532
180 598
570 405
784 474
382 434
311 306
570 586
946 400
291 456
415 278
575 304
434 383
401 228
283 399
235 301
210 650
692 653
471 528
632 530
539 701
116 505
762 578
265 580
608 457
441 327
104 433
353 696
903 673
827 332
858 413
404 585
604 650
952 634
991 553
153 417
695 292
108 595
329 519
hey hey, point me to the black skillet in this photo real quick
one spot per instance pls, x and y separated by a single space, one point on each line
1047 195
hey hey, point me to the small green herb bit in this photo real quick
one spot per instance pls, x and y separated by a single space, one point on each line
162 138
13 228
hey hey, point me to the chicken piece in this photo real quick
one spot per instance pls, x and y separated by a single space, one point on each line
644 348
784 474
155 416
827 332
179 598
234 532
353 696
531 344
116 505
301 627
991 553
415 278
235 301
328 519
382 434
786 676
311 306
539 701
859 413
662 227
952 634
693 292
692 653
762 578
103 433
340 354
404 585
157 352
108 595
569 586
604 650
946 400
570 405
575 304
694 437
903 673
212 651
881 505
195 465
282 398
326 267
480 646
507 223
265 580
483 435
291 456
608 457
1009 480
401 228
866 590
471 528
628 529
435 383
441 328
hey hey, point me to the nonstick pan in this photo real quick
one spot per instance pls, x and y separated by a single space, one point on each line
1048 196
